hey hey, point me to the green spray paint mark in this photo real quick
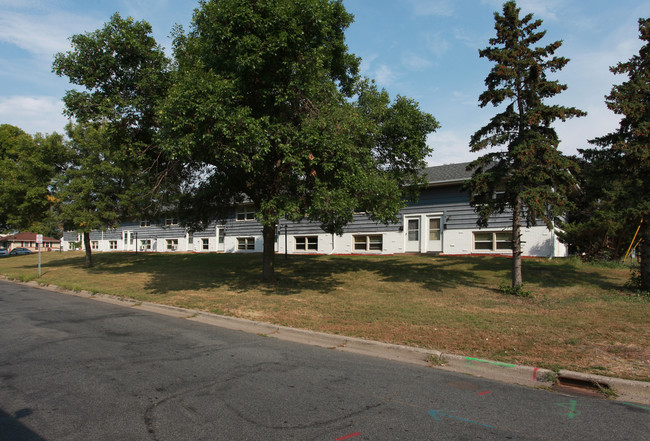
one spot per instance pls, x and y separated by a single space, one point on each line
571 405
635 405
496 363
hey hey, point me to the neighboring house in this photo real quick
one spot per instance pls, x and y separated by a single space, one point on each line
441 221
28 240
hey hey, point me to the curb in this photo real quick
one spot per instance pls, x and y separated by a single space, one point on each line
615 388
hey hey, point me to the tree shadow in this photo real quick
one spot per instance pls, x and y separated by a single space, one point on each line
172 272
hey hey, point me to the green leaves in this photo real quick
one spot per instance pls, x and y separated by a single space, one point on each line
529 169
29 166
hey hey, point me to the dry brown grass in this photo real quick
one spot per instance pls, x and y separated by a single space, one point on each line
579 318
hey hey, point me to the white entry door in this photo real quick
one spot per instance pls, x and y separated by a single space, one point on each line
413 234
221 237
434 224
128 239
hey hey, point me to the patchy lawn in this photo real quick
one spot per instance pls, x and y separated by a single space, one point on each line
579 317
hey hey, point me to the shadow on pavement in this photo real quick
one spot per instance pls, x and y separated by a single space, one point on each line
14 430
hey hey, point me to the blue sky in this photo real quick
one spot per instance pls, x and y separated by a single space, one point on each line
423 49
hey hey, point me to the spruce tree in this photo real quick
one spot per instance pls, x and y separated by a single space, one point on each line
628 148
528 176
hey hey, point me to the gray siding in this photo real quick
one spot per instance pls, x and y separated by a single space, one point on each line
446 199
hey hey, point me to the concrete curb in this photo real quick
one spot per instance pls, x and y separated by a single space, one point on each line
621 390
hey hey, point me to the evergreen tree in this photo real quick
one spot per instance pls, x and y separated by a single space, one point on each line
628 148
595 228
529 176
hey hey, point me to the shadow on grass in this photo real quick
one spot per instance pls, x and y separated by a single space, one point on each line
242 272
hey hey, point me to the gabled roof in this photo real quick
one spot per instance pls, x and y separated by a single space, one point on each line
26 237
448 174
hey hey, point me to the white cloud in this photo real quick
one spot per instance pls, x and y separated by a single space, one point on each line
449 147
384 75
42 35
437 43
366 63
415 62
544 9
443 8
33 114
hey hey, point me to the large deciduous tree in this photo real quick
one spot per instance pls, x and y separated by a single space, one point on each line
91 192
529 175
124 74
29 166
267 107
628 148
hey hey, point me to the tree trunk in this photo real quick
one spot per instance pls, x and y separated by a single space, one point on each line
644 249
268 264
89 256
516 244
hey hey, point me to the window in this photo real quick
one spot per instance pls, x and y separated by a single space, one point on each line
413 230
245 213
434 228
172 244
306 243
171 221
112 244
222 235
245 243
145 223
94 244
206 244
368 243
499 191
190 239
145 244
493 241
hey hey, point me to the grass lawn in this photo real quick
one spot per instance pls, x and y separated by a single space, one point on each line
579 317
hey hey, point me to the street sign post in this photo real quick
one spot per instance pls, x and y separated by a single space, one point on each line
39 245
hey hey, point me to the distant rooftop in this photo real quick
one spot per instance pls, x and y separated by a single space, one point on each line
440 174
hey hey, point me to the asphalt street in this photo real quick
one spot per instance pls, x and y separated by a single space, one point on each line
73 368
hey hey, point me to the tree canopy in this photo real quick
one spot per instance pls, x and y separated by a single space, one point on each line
627 150
267 107
29 166
91 192
530 176
125 75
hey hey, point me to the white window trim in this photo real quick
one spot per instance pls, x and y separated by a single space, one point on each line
247 212
368 242
248 240
171 244
494 248
306 249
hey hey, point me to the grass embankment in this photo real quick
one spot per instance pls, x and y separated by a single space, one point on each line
580 318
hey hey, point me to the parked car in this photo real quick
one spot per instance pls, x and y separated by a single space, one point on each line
3 252
19 251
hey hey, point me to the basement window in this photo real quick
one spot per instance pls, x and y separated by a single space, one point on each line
306 243
492 240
